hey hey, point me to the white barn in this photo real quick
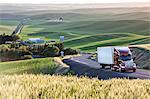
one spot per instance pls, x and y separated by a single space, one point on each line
36 40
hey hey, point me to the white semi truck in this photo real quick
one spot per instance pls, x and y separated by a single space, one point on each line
118 58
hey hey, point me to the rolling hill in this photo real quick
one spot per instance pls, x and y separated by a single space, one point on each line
32 66
84 28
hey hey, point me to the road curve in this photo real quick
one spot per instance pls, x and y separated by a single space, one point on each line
81 65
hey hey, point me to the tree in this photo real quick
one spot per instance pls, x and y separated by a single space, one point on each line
51 51
69 51
16 37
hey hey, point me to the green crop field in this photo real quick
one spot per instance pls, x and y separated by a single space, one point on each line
32 66
84 29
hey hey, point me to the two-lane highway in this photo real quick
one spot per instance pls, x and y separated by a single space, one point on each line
81 65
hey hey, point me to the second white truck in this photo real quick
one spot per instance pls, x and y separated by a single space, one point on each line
118 58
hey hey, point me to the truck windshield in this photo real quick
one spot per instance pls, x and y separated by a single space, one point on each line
125 58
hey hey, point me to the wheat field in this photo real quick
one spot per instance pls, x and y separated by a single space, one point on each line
69 87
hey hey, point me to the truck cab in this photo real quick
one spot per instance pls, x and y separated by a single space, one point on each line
125 59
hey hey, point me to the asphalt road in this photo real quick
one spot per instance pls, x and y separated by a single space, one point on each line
83 66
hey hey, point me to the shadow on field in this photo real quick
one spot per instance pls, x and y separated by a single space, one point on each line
40 33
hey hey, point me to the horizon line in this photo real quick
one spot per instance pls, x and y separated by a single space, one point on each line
77 3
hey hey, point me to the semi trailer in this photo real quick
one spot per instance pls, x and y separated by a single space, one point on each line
118 58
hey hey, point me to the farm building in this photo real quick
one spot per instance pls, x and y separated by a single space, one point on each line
35 40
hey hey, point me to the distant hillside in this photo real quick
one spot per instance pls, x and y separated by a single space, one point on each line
84 27
141 54
19 7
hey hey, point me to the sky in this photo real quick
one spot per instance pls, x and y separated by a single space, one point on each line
70 1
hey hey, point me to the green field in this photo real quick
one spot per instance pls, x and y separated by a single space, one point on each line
85 28
32 66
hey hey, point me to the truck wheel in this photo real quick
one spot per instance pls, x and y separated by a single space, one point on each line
134 70
123 70
103 66
113 69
